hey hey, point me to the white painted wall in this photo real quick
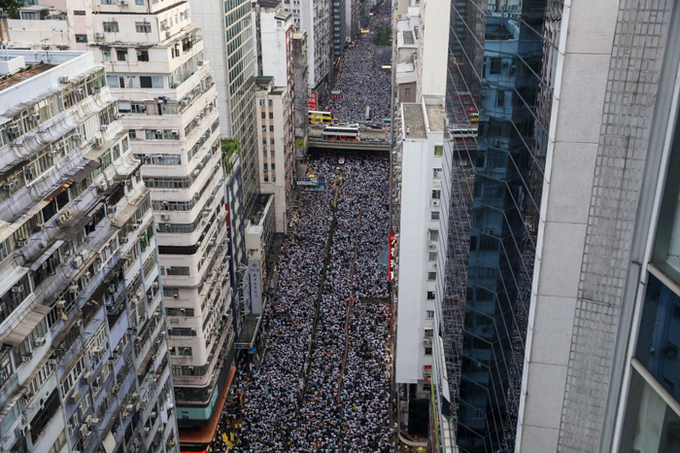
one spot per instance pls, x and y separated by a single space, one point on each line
434 55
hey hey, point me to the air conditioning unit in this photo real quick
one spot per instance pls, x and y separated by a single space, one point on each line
40 341
35 117
427 341
432 245
196 172
88 420
153 414
129 408
123 2
73 289
199 62
98 351
175 133
74 396
99 36
435 202
25 358
77 262
64 79
167 34
61 303
87 377
79 91
18 289
159 132
103 127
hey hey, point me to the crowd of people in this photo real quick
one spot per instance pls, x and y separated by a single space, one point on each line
324 381
361 80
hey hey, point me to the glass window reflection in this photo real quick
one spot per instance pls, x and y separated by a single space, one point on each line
658 345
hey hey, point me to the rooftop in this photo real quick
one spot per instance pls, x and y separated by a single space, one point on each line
414 123
436 117
408 38
25 73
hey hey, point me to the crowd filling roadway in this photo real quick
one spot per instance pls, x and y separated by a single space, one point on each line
324 380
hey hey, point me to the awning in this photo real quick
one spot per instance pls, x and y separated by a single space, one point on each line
124 215
57 191
50 251
85 171
109 443
26 326
71 232
8 281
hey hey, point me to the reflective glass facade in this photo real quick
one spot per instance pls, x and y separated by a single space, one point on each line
501 65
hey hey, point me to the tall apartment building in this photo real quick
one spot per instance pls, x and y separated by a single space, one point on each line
352 18
419 150
315 18
275 107
168 100
597 369
338 11
166 94
301 87
85 363
227 31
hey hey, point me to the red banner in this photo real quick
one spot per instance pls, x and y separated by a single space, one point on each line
392 252
313 101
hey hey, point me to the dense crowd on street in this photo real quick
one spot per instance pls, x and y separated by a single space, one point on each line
323 382
336 397
362 81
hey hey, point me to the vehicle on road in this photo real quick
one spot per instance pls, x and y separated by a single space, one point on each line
316 117
345 134
353 125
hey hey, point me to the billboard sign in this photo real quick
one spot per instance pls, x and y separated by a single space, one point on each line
313 102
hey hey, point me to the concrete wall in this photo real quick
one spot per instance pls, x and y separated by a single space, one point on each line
585 46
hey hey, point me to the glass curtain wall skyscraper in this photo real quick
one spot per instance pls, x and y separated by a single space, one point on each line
500 65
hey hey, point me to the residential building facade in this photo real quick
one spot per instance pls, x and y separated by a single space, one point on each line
338 11
300 84
85 361
421 131
276 139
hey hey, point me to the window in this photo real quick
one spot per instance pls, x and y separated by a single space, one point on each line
434 215
429 333
78 12
495 65
436 194
112 81
271 103
428 350
122 54
264 115
132 134
500 98
437 173
274 178
432 256
262 102
106 54
429 314
433 235
271 141
271 128
407 92
271 116
650 424
431 276
430 295
81 38
439 150
110 27
143 27
151 81
667 244
139 2
142 55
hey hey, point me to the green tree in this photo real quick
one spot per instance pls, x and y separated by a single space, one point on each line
11 8
230 146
